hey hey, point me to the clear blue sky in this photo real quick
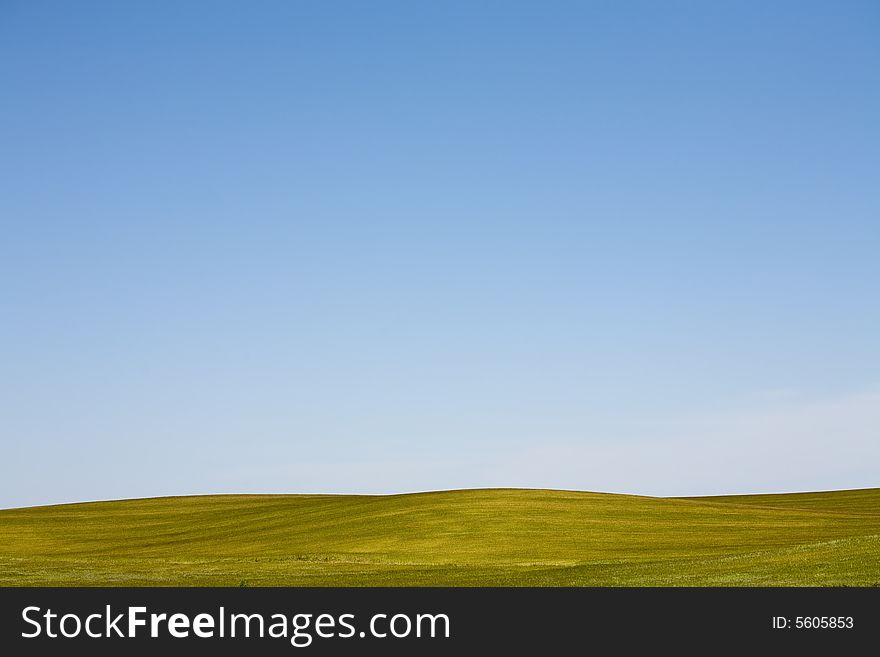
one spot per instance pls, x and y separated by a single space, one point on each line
389 246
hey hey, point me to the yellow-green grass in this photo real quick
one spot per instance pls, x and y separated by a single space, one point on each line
499 537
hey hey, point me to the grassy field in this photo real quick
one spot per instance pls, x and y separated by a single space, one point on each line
470 537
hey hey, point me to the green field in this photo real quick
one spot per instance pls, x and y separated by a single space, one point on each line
501 537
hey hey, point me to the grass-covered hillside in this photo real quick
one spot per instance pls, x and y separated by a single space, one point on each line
469 537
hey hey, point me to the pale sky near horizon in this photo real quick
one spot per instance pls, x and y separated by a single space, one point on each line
379 247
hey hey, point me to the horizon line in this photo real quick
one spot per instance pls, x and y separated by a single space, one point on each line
440 490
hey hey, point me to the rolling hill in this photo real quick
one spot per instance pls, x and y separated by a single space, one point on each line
495 537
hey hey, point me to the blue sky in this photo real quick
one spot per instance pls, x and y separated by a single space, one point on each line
391 246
